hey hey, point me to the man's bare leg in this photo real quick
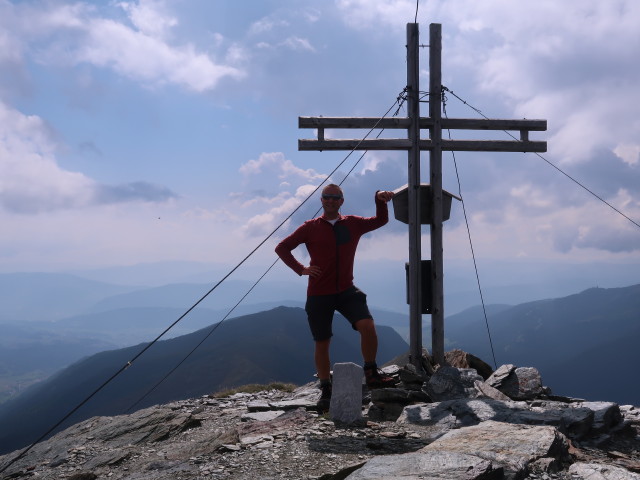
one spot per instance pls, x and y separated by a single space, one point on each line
323 364
368 339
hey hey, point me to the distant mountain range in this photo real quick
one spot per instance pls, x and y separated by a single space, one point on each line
585 345
269 346
48 321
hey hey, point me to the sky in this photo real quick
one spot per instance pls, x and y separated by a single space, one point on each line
151 131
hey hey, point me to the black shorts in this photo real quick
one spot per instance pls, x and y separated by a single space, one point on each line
352 304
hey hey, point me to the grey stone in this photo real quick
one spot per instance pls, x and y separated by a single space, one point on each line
255 439
390 395
435 419
514 447
261 416
306 403
574 421
435 465
409 376
109 458
385 412
346 398
522 383
606 415
258 406
497 377
486 390
449 383
460 359
596 471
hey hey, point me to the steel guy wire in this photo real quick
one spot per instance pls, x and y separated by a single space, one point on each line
473 255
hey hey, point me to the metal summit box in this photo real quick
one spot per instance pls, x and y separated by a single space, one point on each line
401 204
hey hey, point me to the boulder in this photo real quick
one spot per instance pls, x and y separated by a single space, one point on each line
486 390
523 383
449 383
514 447
606 415
411 378
461 359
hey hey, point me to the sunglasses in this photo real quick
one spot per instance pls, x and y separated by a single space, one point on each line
327 196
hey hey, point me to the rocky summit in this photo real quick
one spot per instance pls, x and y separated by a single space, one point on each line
460 421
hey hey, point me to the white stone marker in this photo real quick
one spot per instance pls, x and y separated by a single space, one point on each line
346 398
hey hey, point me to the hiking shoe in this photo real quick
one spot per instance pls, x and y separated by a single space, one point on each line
375 378
325 398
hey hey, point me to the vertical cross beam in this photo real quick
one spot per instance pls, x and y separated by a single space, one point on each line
435 167
415 250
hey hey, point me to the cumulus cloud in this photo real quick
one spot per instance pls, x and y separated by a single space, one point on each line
593 226
276 165
380 172
280 209
274 32
267 24
32 182
299 44
150 17
77 34
569 64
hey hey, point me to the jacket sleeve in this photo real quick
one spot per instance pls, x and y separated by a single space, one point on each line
284 248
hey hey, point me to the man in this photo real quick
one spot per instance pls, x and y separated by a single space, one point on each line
331 241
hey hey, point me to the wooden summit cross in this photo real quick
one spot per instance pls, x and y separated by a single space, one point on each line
413 144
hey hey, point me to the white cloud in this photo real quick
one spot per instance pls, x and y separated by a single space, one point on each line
298 44
149 17
265 207
628 152
31 181
285 204
573 64
369 15
74 34
267 24
276 164
133 54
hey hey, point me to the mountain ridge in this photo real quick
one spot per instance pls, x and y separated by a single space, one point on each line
257 348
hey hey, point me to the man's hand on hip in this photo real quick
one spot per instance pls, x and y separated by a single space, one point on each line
312 270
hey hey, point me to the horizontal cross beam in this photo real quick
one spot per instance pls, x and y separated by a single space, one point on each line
523 126
405 144
425 122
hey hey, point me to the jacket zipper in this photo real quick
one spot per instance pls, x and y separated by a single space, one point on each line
337 259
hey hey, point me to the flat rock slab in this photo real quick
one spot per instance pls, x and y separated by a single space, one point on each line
305 403
258 406
573 420
427 466
515 447
596 471
261 416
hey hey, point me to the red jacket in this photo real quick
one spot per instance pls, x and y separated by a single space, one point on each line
331 247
